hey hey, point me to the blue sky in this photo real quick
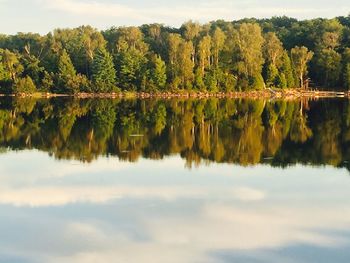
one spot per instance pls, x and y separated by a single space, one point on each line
44 15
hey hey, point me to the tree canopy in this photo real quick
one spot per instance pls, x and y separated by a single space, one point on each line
222 56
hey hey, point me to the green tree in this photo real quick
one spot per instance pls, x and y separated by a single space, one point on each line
273 49
286 70
158 72
81 44
186 64
103 72
190 30
330 40
11 64
131 70
346 68
3 74
272 76
273 53
249 57
328 63
204 54
24 85
347 76
66 74
131 58
300 58
181 65
47 82
65 66
218 42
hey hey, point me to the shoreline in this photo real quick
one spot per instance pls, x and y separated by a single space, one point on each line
287 94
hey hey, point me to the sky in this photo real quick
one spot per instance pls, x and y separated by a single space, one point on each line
43 16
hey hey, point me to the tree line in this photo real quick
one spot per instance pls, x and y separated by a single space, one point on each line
245 132
220 56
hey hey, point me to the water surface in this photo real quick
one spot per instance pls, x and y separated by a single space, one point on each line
174 181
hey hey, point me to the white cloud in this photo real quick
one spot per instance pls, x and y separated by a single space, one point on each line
175 14
174 215
28 15
92 8
63 195
183 237
249 194
141 14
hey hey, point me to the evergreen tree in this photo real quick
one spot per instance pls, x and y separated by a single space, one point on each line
67 74
24 85
219 55
158 72
132 69
271 75
287 70
47 82
103 72
281 81
68 79
65 66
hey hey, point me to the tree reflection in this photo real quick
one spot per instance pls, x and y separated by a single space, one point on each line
245 132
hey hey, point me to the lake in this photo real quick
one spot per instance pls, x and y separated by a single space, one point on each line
210 180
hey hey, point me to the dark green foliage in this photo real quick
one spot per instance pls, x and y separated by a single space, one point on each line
272 76
287 71
328 63
347 76
131 70
103 119
103 72
66 75
257 82
281 81
157 77
346 68
65 66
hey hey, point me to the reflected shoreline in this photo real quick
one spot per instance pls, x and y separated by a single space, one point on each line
240 131
286 94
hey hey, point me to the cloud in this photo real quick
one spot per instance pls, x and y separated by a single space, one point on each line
154 206
191 237
141 14
28 15
175 14
93 8
63 195
249 194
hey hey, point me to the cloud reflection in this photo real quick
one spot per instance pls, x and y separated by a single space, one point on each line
114 213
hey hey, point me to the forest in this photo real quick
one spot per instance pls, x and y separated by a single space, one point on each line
245 132
248 54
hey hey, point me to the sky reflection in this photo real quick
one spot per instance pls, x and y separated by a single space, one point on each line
160 211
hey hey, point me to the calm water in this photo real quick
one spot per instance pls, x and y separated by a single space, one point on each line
174 181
